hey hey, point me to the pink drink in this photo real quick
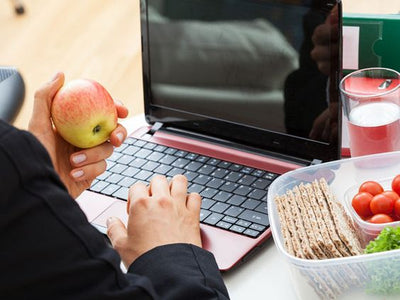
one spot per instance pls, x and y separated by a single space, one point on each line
374 128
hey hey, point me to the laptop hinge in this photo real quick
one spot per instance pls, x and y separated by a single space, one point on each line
315 162
156 126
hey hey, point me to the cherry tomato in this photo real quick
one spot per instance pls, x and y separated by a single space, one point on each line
396 184
381 204
372 187
391 194
396 209
361 204
380 218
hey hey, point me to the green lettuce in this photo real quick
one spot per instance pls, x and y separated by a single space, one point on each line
384 274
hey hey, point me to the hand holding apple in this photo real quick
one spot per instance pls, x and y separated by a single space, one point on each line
84 113
76 167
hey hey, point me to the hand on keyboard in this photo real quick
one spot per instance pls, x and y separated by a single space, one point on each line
159 214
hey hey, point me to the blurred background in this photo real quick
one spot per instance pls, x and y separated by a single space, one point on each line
97 39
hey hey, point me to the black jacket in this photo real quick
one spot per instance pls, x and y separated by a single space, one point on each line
48 250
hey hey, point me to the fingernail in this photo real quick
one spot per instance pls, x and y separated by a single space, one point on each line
77 174
120 136
119 102
79 158
109 221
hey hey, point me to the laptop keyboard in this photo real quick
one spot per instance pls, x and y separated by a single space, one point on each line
234 197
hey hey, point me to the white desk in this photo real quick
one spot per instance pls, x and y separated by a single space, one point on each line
263 276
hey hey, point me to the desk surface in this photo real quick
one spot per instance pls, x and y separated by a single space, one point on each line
265 275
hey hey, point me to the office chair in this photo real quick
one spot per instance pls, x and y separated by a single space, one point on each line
18 7
12 93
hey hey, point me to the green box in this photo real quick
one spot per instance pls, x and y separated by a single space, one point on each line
379 39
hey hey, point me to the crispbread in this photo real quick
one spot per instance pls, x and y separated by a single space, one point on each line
305 202
328 218
314 238
330 248
344 226
284 227
298 222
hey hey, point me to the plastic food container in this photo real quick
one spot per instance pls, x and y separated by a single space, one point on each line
366 276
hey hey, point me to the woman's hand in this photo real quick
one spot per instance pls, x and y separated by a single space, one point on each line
76 167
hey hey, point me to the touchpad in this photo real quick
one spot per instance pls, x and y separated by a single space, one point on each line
117 209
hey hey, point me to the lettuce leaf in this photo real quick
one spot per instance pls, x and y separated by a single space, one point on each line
388 239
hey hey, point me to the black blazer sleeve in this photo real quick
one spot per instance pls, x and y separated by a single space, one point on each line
50 251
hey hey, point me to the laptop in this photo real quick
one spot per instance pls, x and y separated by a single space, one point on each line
233 99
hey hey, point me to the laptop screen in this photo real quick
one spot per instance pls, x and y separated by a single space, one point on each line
261 73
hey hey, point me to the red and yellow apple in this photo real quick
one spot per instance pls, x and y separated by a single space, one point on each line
84 113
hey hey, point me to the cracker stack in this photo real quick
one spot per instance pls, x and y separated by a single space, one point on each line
315 226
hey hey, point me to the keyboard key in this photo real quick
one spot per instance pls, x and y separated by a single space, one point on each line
150 166
170 151
220 173
213 219
202 159
202 179
118 168
181 153
224 164
251 233
236 200
258 173
140 143
247 170
191 156
254 216
130 150
243 190
121 193
99 186
247 180
167 159
149 146
224 225
160 148
236 228
175 171
115 156
234 211
195 188
114 178
262 208
130 141
233 176
110 164
219 207
207 203
130 171
204 214
125 159
222 196
143 175
206 169
243 223
229 219
215 183
162 169
250 204
180 163
261 183
104 175
257 194
257 227
235 167
137 162
208 192
143 153
127 182
110 189
121 148
155 156
229 186
193 166
270 176
213 162
190 175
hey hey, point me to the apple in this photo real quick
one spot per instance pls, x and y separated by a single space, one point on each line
84 113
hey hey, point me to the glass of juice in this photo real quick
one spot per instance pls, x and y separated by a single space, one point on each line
371 105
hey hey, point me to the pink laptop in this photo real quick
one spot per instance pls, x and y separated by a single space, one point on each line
232 99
